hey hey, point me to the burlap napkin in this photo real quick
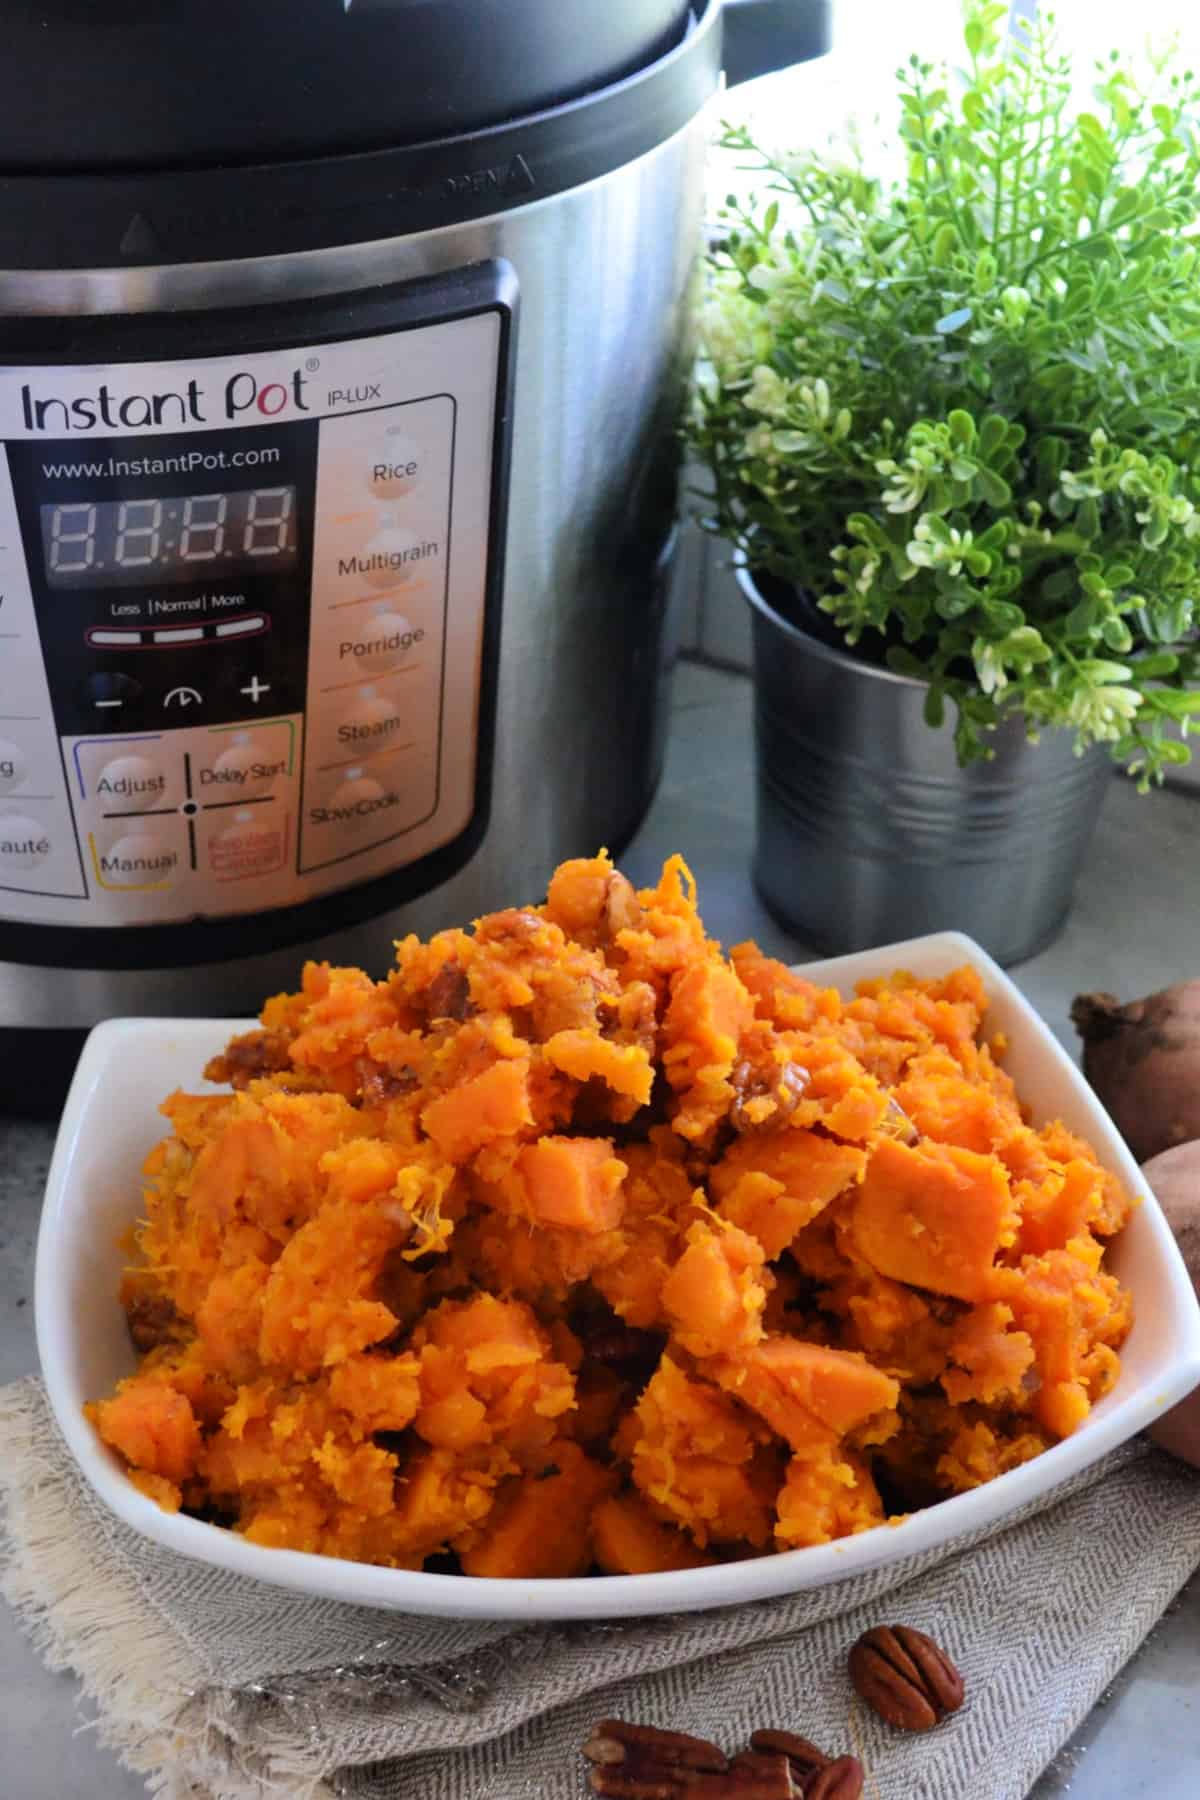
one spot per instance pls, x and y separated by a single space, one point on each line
219 1688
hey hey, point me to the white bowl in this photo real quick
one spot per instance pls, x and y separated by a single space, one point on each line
92 1194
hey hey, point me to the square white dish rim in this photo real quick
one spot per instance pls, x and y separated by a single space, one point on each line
62 1336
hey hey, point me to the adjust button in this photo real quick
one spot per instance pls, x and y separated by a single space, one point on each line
132 783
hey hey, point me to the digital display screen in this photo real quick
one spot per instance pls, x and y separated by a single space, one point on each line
185 537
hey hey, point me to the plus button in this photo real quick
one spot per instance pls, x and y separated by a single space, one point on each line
256 688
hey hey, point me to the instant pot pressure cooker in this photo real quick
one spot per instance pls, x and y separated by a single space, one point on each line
341 345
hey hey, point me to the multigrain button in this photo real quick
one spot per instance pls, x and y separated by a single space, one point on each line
13 766
392 557
23 843
138 859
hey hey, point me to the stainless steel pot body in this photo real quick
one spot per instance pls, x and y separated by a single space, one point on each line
604 274
868 829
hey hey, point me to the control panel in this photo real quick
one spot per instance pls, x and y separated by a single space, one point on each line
242 606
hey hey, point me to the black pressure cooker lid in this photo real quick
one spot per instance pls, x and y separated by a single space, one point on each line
198 83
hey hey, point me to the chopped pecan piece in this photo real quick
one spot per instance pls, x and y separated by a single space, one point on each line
152 1319
448 995
377 1085
246 1058
622 908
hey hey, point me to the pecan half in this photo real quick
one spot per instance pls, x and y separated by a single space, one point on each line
639 1762
803 1756
759 1775
841 1779
905 1677
765 1097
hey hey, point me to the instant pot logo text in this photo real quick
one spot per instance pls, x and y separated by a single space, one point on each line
243 396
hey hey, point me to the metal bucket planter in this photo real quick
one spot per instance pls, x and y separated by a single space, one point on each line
869 831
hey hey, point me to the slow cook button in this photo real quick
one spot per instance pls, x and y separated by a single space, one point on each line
241 766
357 802
251 843
137 859
23 843
13 766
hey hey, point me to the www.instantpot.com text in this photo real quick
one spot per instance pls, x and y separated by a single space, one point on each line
162 465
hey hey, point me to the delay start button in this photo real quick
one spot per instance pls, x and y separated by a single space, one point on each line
241 767
23 843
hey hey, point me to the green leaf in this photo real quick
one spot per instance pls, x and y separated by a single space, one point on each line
953 321
992 487
771 218
1165 419
935 707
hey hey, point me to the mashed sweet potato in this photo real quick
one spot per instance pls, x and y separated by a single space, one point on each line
574 1244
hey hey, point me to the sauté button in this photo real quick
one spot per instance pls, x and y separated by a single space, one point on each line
23 843
13 766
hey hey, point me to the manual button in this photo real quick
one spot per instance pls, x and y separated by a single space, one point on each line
136 859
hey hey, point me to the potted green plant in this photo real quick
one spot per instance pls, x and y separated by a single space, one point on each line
951 423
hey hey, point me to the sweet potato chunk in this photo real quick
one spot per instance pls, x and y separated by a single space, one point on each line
935 1216
774 1187
494 1104
573 1182
152 1426
540 1525
806 1392
714 1296
628 1540
824 1498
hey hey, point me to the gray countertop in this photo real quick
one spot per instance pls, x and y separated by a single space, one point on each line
1132 931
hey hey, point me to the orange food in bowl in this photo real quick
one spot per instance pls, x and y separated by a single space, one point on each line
574 1244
